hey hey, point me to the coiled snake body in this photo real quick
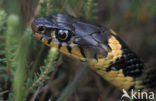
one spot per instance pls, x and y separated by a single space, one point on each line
98 46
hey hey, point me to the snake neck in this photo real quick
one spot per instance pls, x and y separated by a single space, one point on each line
121 67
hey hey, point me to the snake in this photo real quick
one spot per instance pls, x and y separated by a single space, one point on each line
97 46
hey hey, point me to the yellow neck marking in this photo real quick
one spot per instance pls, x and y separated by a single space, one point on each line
111 57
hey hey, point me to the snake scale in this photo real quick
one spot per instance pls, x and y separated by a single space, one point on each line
100 47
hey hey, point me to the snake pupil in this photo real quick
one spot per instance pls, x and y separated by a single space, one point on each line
63 35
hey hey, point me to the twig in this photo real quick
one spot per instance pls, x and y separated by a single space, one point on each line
40 78
3 92
88 9
69 89
36 11
78 7
64 4
35 95
48 7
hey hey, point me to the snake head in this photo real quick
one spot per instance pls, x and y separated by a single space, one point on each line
71 36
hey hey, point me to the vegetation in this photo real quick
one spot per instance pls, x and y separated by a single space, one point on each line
29 70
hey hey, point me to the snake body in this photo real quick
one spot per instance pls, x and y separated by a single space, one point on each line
98 46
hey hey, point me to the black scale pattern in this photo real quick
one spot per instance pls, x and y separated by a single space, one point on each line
129 62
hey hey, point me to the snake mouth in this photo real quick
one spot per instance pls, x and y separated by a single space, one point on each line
43 36
48 40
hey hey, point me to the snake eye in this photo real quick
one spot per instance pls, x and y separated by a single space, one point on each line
41 29
63 35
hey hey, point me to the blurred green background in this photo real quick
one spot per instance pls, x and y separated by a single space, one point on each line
31 71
